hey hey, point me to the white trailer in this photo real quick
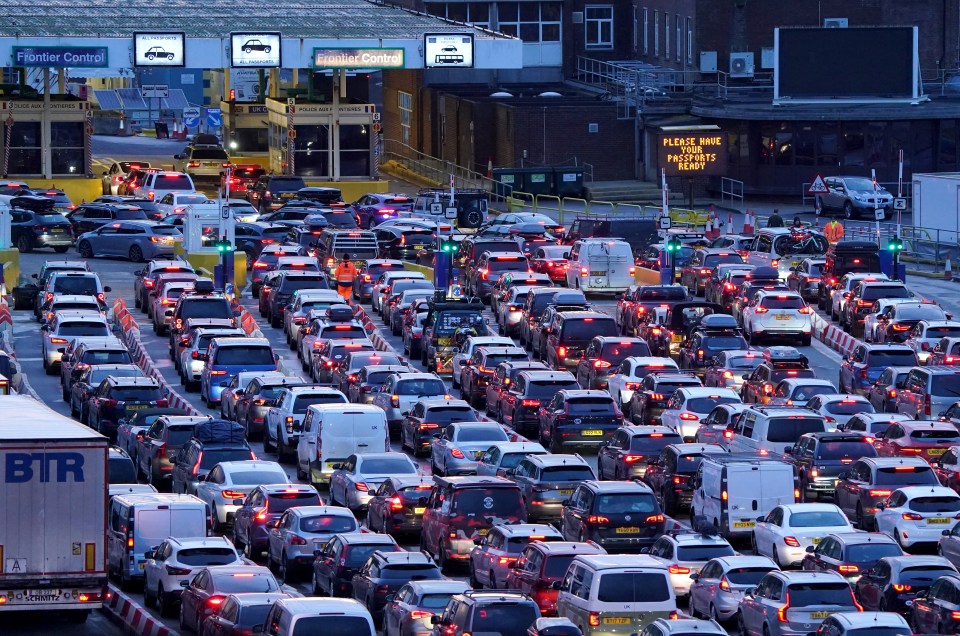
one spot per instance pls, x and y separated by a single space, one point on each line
936 205
53 496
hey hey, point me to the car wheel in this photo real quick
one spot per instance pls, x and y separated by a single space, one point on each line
164 605
283 569
85 249
492 581
776 555
474 581
859 520
23 245
848 210
136 254
741 625
267 442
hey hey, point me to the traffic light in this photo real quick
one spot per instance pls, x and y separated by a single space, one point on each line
895 245
673 245
224 246
449 246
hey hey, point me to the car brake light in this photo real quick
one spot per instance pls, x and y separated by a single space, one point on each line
529 402
362 487
690 417
175 571
232 494
792 542
506 560
594 619
848 569
601 364
457 453
805 310
58 341
678 569
262 515
911 516
901 588
396 503
761 310
395 401
879 493
656 519
632 458
215 601
562 352
597 519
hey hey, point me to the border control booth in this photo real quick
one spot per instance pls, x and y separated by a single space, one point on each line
245 131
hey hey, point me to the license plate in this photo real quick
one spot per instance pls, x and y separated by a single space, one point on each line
143 565
565 492
136 407
783 317
483 532
815 540
936 451
319 545
287 195
819 615
744 524
592 433
677 337
628 530
57 230
478 454
794 263
598 273
330 465
938 520
419 511
616 621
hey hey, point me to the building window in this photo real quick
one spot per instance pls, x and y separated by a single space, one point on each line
689 40
646 31
598 21
66 147
532 22
656 33
636 29
679 26
405 104
666 35
475 13
25 145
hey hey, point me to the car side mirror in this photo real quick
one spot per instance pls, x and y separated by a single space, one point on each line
184 583
239 392
881 506
45 328
555 585
645 550
751 592
694 576
477 540
565 502
810 549
788 450
843 475
34 276
760 519
139 272
389 598
434 620
107 290
150 554
945 533
201 478
237 313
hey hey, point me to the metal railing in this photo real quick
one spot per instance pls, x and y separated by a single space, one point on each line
890 186
563 207
731 189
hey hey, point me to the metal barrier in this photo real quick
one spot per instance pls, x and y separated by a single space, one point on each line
563 206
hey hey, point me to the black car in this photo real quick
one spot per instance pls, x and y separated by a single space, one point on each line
272 191
937 608
149 206
343 555
632 451
620 516
253 237
117 398
582 417
92 216
819 458
287 283
398 504
507 613
34 224
716 333
386 572
850 554
670 475
893 581
398 241
198 457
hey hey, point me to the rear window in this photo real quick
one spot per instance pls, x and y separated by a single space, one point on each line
859 263
942 332
789 429
121 471
841 450
885 291
204 308
331 524
497 246
507 264
807 392
566 473
805 594
663 293
782 374
505 619
256 477
357 555
165 230
481 434
871 552
239 583
927 312
583 329
935 504
948 385
703 552
934 434
130 215
293 283
497 502
746 576
209 153
278 502
590 406
491 361
892 359
199 557
924 574
410 571
179 435
303 401
343 626
712 260
726 343
275 231
446 415
388 466
849 407
83 329
99 376
906 476
653 444
424 388
212 457
625 504
245 355
548 388
173 182
782 302
136 394
706 404
633 587
816 519
666 389
107 357
617 352
372 358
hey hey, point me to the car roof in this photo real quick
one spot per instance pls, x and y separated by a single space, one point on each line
474 481
696 538
707 391
932 425
435 403
616 561
240 342
511 447
689 448
914 560
913 492
635 429
616 486
862 537
367 537
439 586
800 576
537 375
200 542
745 561
841 397
118 381
860 620
528 529
559 459
889 462
808 382
247 464
579 315
572 394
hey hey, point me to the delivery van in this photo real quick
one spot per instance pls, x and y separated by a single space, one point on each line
333 432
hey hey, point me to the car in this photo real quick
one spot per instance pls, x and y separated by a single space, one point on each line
398 504
284 419
200 454
726 290
144 281
546 480
467 349
301 533
342 556
687 405
428 418
853 623
696 271
748 291
239 614
603 356
262 508
854 197
403 241
400 391
173 563
799 391
897 324
206 590
477 372
507 613
502 380
716 334
324 361
918 514
347 373
776 314
356 479
778 364
720 586
820 457
841 290
837 408
489 267
925 335
928 391
878 313
205 163
718 426
494 555
117 397
936 610
895 581
861 300
228 483
581 418
550 260
89 217
410 611
157 183
163 300
502 458
786 602
914 438
805 278
374 208
669 474
650 399
540 565
626 378
882 394
871 425
509 281
88 380
871 480
270 192
618 516
850 554
684 553
256 397
631 449
947 468
457 450
61 328
117 172
83 352
667 336
131 430
786 531
31 229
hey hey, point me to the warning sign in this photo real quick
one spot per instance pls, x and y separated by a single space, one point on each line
818 186
691 154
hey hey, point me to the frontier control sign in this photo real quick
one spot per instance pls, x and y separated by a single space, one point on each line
358 58
692 154
54 56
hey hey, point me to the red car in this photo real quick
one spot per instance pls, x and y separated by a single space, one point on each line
242 175
552 261
915 438
541 564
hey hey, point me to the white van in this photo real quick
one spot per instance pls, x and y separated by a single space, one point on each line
773 430
615 594
732 490
333 432
307 616
139 523
601 265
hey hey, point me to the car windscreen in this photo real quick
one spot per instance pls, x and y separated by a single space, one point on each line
505 619
481 434
566 473
173 293
746 576
136 394
653 443
239 583
806 594
201 308
706 404
842 450
633 587
213 456
703 552
421 387
924 574
874 292
617 352
906 476
583 329
107 357
448 414
280 501
497 502
76 285
199 557
849 407
871 552
252 355
588 406
935 504
726 343
948 385
203 343
548 388
328 524
256 477
303 401
387 466
625 503
935 434
120 470
817 519
800 244
789 429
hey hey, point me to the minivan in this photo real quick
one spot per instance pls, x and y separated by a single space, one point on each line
327 616
601 265
227 357
136 524
615 594
333 432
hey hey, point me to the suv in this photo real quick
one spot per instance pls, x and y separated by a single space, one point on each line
571 331
499 612
494 557
820 457
843 258
694 274
198 457
117 398
161 442
342 556
477 372
144 282
854 197
203 163
871 480
850 554
779 363
861 301
776 313
772 609
579 417
519 405
198 304
670 473
82 353
88 217
287 283
261 510
773 430
271 191
650 399
618 516
603 357
488 268
541 565
461 509
156 184
547 480
863 366
334 244
928 391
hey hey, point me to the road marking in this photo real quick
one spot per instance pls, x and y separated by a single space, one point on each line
826 351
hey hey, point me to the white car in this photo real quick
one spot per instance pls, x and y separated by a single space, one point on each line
466 352
62 328
927 333
305 300
799 391
228 484
688 405
354 483
243 211
384 282
721 584
838 408
182 202
918 514
684 554
400 391
840 293
175 561
622 383
787 530
780 314
282 423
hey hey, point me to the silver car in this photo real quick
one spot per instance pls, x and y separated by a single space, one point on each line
401 391
301 533
137 240
416 603
228 484
500 459
63 327
718 589
494 555
354 482
774 610
459 448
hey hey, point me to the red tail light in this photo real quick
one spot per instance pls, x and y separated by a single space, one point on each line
601 364
215 601
594 619
728 434
396 504
58 341
262 515
902 588
597 519
690 417
848 569
506 560
419 614
792 542
562 352
232 494
676 569
655 519
805 310
457 453
911 516
761 310
630 459
175 571
879 493
395 401
782 612
926 404
529 402
362 487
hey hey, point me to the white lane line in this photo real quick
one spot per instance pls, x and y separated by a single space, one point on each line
826 351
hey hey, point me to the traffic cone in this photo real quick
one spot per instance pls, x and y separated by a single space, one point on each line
729 222
708 230
748 223
489 167
947 273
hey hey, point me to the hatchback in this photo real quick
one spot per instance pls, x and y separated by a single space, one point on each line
794 602
301 533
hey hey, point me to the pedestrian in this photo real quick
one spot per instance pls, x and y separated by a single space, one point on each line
797 224
775 219
345 274
833 232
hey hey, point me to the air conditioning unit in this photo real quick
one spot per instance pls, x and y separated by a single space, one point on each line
708 61
835 23
577 17
741 64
